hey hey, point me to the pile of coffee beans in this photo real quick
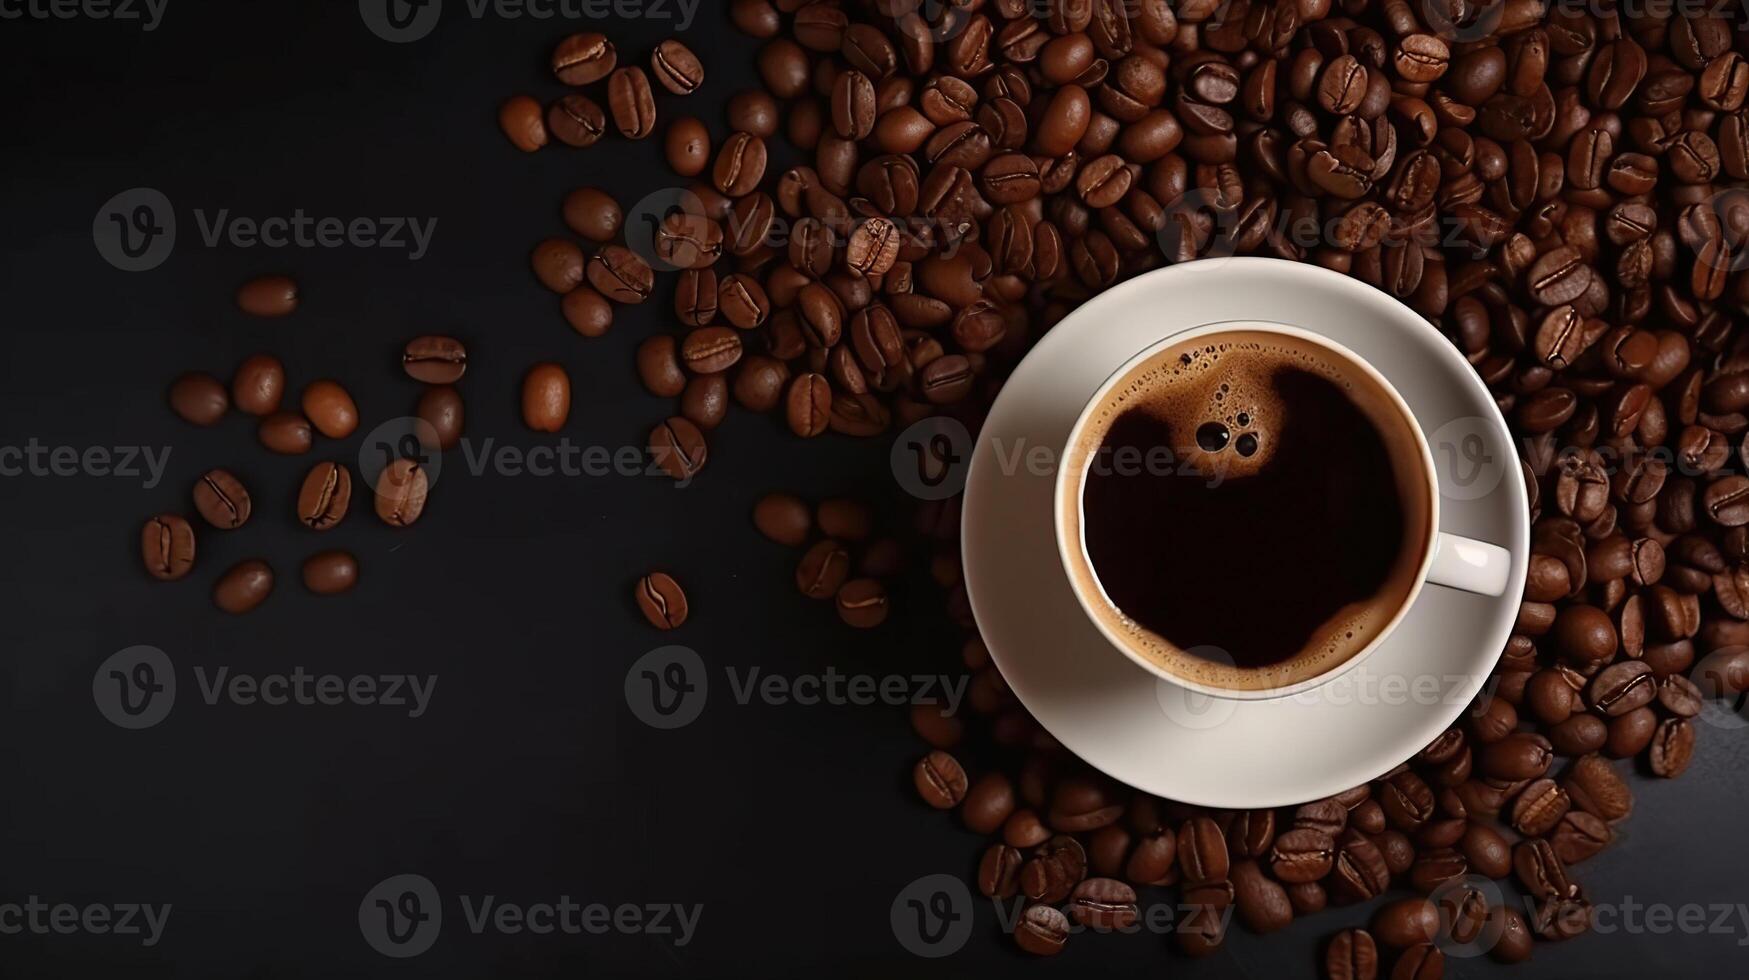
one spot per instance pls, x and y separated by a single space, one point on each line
258 388
1559 189
828 569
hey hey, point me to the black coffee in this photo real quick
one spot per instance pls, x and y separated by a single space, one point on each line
1246 501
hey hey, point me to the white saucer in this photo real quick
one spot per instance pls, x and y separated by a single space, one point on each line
1151 733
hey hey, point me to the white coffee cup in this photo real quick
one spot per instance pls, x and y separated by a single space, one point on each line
1447 560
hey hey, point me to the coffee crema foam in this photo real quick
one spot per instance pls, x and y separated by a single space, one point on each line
1227 402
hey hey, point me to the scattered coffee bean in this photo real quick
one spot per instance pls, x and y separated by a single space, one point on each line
324 497
1351 955
678 448
287 433
676 67
268 296
558 264
576 120
1042 931
662 601
330 409
823 570
520 118
222 499
244 586
940 780
440 407
593 213
259 385
862 603
167 547
400 492
546 397
783 518
583 58
435 360
630 101
199 398
330 572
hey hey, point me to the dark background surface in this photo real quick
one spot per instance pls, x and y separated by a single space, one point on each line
528 778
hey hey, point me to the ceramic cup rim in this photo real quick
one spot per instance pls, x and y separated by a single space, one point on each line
1067 550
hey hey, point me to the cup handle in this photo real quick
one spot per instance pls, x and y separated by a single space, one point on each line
1470 565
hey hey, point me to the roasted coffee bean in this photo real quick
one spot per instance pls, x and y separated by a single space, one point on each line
259 385
576 120
740 165
1263 903
676 67
1079 805
330 409
1539 807
1351 955
940 780
199 398
1153 859
709 350
593 213
759 382
783 518
583 58
1302 855
1202 851
222 499
999 872
659 366
1422 961
862 603
1579 835
678 448
167 547
1359 870
630 102
330 572
1042 931
546 397
268 296
1486 852
1406 922
435 360
244 586
687 146
520 119
620 274
661 600
1672 747
286 433
324 496
401 491
823 570
440 408
809 405
705 402
1104 904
